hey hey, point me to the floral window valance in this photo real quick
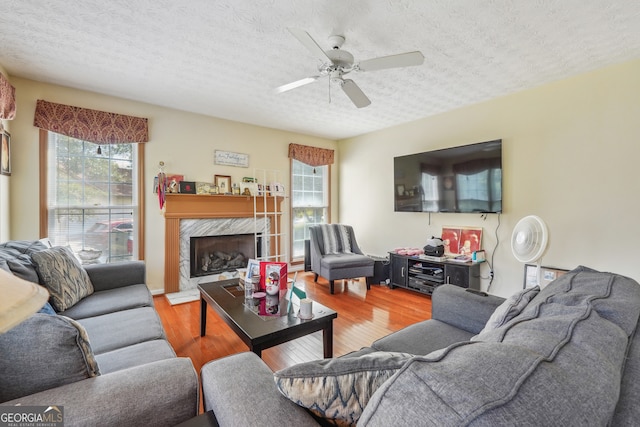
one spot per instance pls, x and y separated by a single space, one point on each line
7 99
90 125
313 156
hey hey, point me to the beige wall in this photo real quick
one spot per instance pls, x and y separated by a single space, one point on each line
184 141
571 153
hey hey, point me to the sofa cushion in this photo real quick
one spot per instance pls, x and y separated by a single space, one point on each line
557 363
422 338
134 355
346 261
123 328
43 352
62 274
239 390
463 309
109 301
339 389
510 308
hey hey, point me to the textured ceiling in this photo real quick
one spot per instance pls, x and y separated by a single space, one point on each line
224 58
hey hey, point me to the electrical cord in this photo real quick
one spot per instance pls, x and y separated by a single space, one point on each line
493 254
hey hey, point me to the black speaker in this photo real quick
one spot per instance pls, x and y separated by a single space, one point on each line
380 270
307 255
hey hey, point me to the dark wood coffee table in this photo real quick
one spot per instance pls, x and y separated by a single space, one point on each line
261 332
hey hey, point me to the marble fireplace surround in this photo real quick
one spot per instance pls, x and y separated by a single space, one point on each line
203 215
212 227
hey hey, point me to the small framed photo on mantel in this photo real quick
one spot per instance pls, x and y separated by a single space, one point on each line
223 182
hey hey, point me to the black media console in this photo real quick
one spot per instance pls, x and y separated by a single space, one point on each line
424 276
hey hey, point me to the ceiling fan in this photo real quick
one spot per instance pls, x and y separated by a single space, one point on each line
336 63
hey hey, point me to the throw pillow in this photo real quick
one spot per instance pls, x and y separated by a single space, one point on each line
63 276
44 352
510 308
339 389
336 239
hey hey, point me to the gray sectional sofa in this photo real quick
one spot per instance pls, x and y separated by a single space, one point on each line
105 359
565 355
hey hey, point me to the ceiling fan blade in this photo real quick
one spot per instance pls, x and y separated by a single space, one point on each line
392 61
296 84
355 94
310 44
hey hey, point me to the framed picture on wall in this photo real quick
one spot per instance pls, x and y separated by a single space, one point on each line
5 154
547 275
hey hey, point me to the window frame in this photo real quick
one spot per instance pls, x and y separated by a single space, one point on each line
43 181
300 259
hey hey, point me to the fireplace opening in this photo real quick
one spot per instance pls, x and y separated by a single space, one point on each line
217 254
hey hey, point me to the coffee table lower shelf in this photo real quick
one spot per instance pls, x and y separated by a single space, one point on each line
261 332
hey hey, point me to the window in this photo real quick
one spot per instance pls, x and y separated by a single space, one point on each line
92 197
309 202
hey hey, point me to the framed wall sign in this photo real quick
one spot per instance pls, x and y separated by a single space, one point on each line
231 159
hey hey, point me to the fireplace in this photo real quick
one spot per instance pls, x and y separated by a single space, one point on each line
193 215
216 254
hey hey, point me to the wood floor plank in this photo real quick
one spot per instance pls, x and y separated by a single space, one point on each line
363 317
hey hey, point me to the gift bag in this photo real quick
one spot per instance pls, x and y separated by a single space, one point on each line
273 282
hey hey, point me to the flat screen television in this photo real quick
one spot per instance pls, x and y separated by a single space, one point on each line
465 179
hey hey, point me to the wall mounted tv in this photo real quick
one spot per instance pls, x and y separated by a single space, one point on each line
466 179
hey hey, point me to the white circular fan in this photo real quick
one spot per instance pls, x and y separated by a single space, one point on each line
529 239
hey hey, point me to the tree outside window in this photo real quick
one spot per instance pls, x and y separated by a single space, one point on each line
92 198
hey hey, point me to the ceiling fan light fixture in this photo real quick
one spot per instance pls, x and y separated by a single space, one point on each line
340 62
336 41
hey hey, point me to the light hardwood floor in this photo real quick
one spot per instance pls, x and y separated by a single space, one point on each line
363 317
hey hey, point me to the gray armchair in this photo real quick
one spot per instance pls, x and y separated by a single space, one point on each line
341 260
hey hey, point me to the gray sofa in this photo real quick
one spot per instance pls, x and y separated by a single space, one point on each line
565 355
105 359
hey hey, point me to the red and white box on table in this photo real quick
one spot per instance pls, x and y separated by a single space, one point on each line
273 282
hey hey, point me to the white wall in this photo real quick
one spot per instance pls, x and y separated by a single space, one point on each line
184 141
571 153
